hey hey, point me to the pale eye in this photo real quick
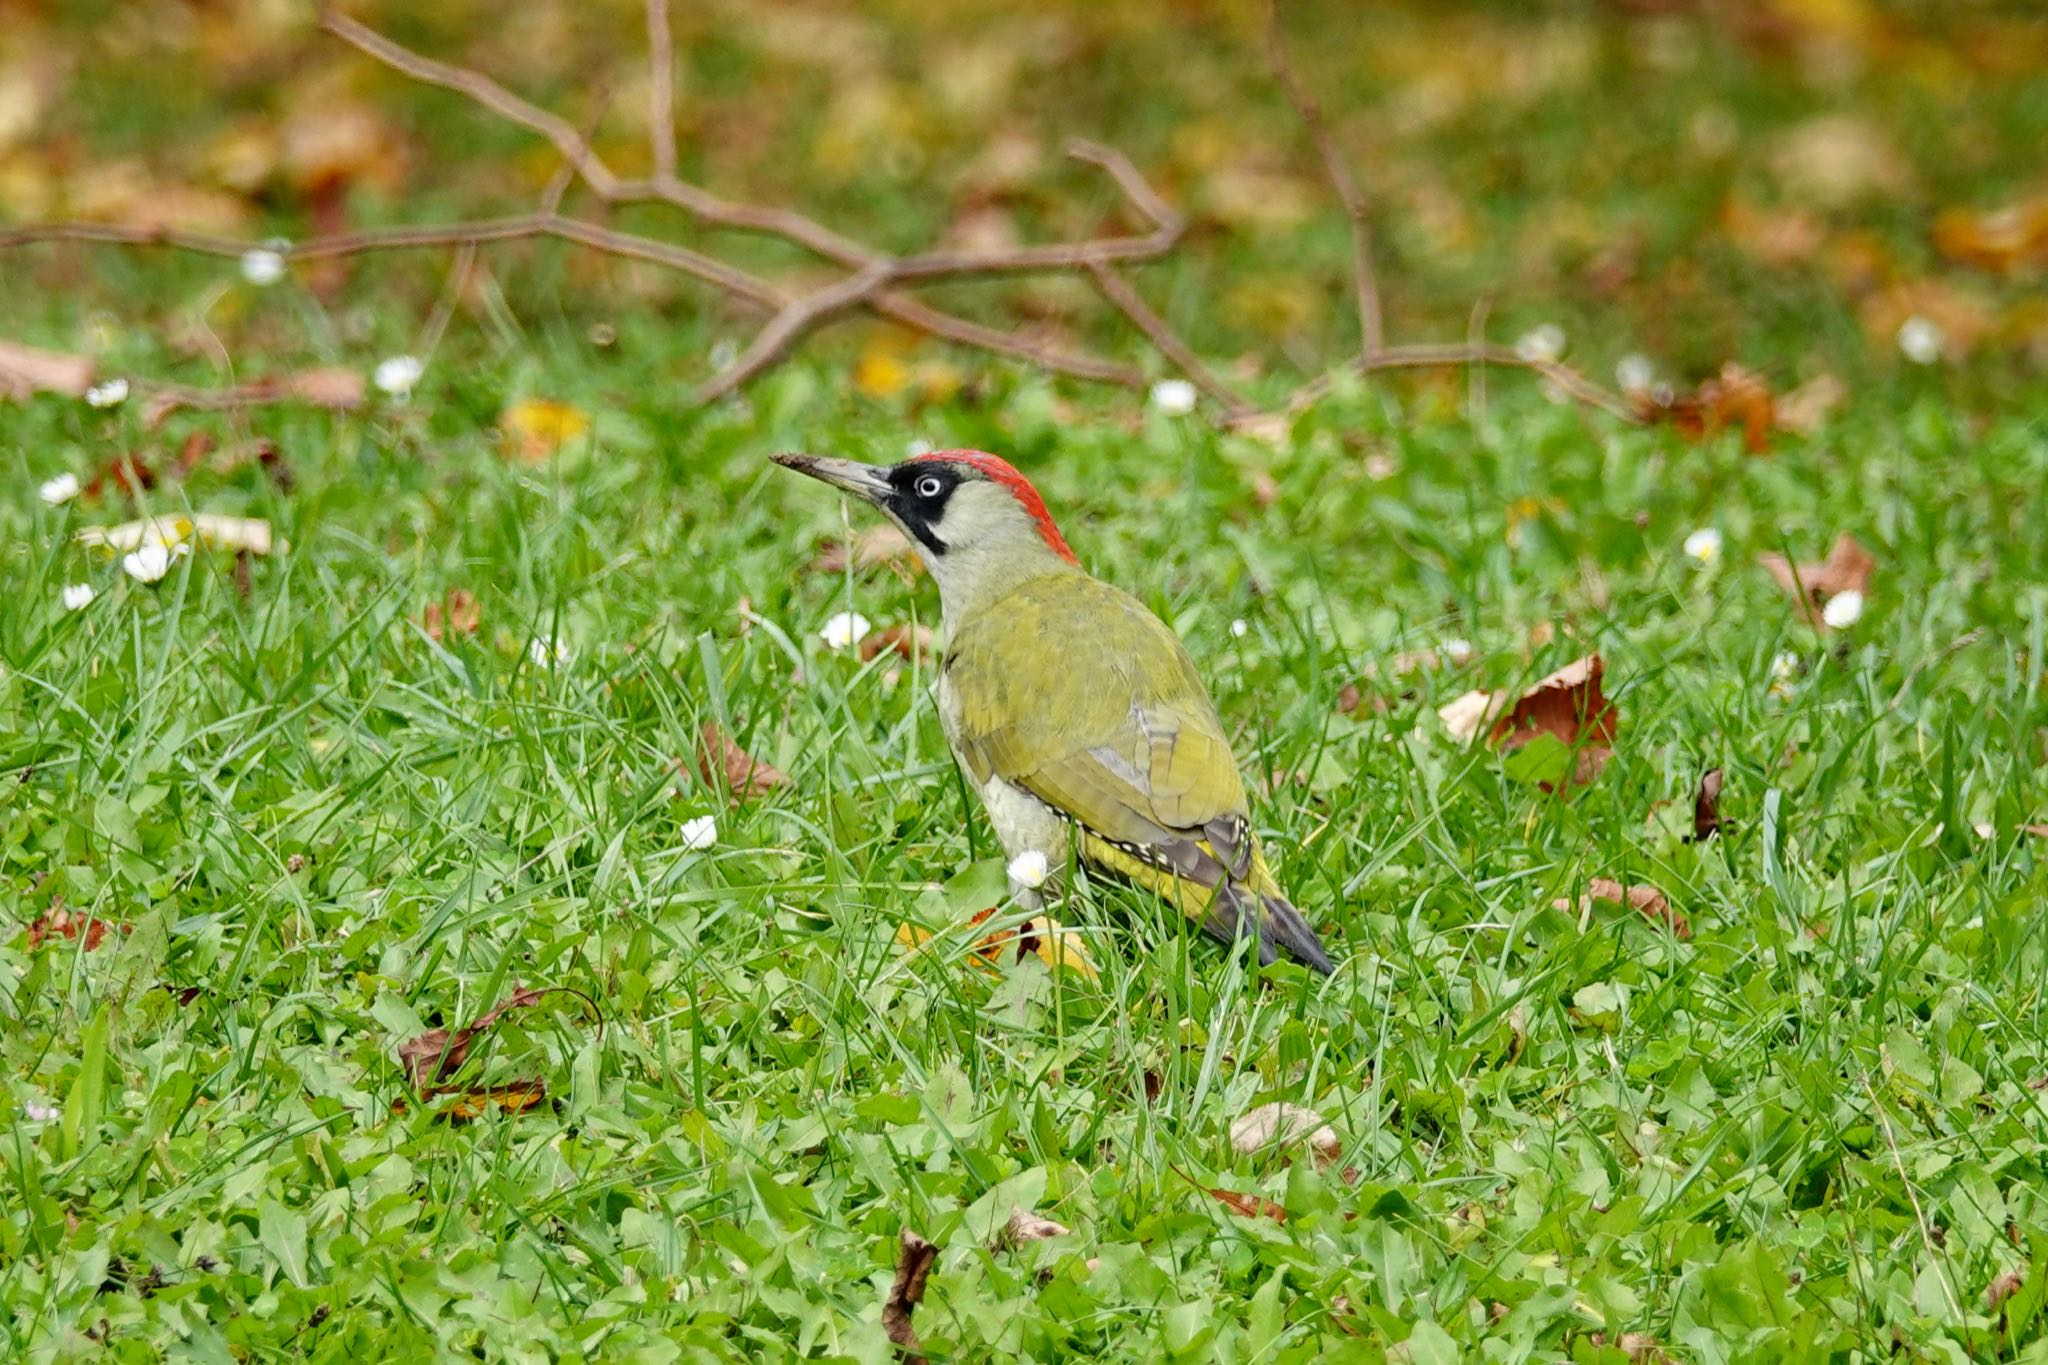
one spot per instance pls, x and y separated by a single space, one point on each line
930 486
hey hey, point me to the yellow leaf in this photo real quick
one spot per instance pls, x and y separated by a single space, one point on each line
536 428
880 373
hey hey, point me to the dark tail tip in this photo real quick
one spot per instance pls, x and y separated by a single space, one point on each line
1283 924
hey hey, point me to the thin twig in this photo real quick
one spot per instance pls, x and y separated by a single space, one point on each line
661 90
1118 291
559 183
1371 329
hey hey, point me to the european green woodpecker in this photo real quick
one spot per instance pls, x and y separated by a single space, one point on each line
1075 711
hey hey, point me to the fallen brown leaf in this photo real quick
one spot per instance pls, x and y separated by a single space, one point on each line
1848 568
1279 1124
57 922
462 614
439 1053
2002 1288
1025 1226
746 777
1646 901
1467 715
27 370
1733 399
913 1266
515 1098
2002 240
1247 1205
1570 707
1802 410
1706 806
910 642
2038 830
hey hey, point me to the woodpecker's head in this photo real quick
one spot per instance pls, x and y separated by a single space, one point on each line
979 524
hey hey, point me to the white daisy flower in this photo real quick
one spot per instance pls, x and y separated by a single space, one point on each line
41 1113
845 630
111 394
1842 610
63 488
398 375
1239 629
547 650
1457 650
1704 545
1784 673
1029 869
1635 373
79 596
700 832
1920 340
152 559
262 266
1541 343
1174 397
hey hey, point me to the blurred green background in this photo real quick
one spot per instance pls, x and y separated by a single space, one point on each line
1782 183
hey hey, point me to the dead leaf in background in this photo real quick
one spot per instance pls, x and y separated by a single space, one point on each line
210 529
719 757
1802 410
1734 399
439 1053
1835 160
1271 1127
914 1260
514 1098
461 615
876 546
909 642
1962 318
57 922
1706 806
1025 1226
1848 568
1042 936
1570 707
1777 237
2002 240
28 370
1646 901
1467 715
536 428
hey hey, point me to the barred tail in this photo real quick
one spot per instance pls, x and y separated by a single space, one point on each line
1228 912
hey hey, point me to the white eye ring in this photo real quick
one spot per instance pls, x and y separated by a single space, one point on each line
930 486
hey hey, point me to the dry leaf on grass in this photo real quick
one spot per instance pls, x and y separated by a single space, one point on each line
1802 410
1848 568
910 642
1247 1205
872 548
28 370
719 757
536 428
2040 831
218 532
2011 238
1706 806
1277 1125
57 922
462 614
515 1098
1026 1226
1568 708
1646 901
914 1260
439 1053
1735 399
1042 936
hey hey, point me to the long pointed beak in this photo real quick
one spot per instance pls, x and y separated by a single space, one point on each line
864 481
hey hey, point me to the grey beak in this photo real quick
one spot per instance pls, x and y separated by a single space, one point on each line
864 481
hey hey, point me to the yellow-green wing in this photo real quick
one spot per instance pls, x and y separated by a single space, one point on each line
1072 690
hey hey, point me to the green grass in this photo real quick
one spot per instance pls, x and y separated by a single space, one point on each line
1809 1132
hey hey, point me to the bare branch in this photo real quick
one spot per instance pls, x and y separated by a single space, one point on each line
1119 292
1371 329
483 90
661 90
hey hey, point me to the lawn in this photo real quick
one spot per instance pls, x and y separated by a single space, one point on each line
385 972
